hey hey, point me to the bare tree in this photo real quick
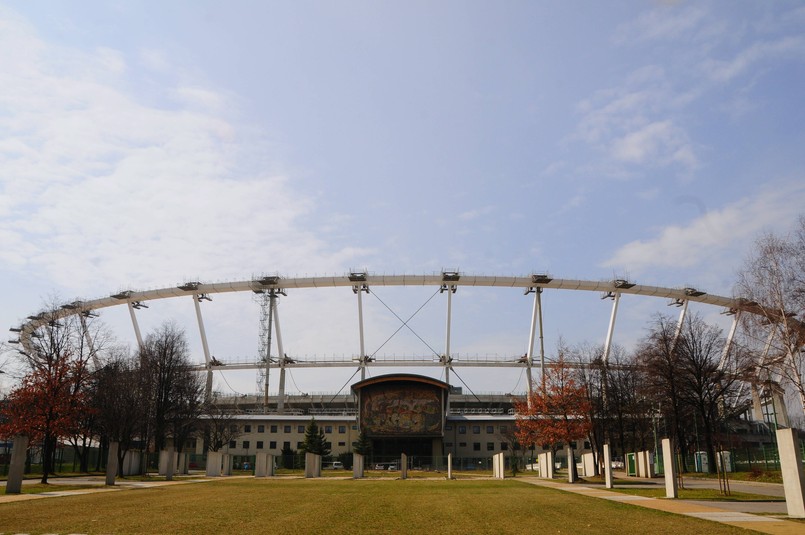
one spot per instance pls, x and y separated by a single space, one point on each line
172 389
57 356
773 281
706 387
218 426
119 403
663 386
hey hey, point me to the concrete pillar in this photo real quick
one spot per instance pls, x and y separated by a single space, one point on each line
669 468
608 466
642 464
499 466
163 462
357 465
571 473
260 467
270 465
588 463
170 468
449 466
404 466
551 465
226 462
649 464
181 464
214 459
312 465
791 467
111 463
19 449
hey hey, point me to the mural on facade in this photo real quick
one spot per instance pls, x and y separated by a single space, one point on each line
401 410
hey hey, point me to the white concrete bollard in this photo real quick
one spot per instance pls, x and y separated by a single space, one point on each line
791 467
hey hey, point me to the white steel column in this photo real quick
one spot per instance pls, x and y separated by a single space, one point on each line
281 359
532 335
92 353
271 297
204 346
450 290
611 330
136 325
728 344
359 289
680 323
541 338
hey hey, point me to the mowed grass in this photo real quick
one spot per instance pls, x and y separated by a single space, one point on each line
293 506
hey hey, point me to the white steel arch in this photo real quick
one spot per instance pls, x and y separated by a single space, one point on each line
362 282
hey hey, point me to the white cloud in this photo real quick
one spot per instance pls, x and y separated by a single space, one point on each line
705 240
665 22
476 213
657 143
98 187
724 71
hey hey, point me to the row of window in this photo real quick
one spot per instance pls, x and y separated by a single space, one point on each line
504 446
272 445
476 446
476 429
247 428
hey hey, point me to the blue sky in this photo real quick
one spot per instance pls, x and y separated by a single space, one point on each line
145 144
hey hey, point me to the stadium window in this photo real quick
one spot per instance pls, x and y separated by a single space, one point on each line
299 445
245 444
476 446
476 429
448 444
328 445
448 428
462 430
300 428
287 429
259 444
273 428
490 429
573 444
328 429
504 446
232 444
342 444
286 445
247 428
354 427
261 429
233 428
545 447
462 444
586 445
272 445
490 446
342 429
504 429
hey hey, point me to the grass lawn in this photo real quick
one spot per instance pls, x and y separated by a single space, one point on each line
343 506
770 476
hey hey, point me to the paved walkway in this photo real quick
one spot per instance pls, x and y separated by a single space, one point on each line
723 512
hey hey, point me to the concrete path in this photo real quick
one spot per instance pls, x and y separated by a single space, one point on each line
714 511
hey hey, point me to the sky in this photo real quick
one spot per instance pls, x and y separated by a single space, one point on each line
146 144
